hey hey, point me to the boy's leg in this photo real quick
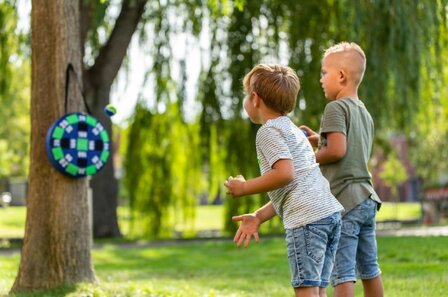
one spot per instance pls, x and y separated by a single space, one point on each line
366 259
322 292
334 235
346 289
307 292
305 262
306 248
344 271
373 287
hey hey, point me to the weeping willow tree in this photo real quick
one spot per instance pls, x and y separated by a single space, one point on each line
429 138
162 168
160 173
404 42
14 93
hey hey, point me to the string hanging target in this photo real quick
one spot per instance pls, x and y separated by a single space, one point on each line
77 144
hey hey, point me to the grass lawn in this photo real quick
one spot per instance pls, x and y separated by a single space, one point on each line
412 266
209 217
12 222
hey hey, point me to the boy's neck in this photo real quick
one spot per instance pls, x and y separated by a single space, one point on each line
347 93
270 115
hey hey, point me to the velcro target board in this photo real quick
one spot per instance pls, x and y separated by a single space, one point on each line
77 145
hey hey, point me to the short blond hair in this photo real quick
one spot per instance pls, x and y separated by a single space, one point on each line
277 85
351 57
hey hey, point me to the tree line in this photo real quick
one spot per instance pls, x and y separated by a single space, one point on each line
170 161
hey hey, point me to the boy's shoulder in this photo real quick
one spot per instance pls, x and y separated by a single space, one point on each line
344 104
278 123
275 127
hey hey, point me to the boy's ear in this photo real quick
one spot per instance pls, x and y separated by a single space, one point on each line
342 75
255 99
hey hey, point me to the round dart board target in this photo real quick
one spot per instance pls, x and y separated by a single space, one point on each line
78 145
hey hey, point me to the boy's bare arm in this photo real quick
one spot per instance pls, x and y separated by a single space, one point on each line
335 149
280 175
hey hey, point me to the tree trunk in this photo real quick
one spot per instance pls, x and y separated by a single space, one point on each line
98 81
104 184
56 249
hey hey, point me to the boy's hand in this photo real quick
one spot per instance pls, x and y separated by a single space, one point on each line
312 137
235 186
248 228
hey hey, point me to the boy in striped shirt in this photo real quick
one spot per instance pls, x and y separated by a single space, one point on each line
298 192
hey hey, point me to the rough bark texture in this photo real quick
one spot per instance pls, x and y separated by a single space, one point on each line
57 241
98 81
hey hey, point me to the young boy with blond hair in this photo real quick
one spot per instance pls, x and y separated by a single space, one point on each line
344 147
298 192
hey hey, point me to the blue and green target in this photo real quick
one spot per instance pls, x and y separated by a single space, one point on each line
78 145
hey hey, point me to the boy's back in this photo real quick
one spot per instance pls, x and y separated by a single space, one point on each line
349 178
307 198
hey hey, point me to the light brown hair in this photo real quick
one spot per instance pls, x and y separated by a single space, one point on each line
277 85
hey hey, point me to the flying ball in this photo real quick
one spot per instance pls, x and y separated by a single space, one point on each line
110 110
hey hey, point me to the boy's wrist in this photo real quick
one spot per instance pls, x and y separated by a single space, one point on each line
243 188
258 216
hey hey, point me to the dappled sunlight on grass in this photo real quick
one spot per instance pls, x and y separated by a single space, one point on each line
205 269
412 266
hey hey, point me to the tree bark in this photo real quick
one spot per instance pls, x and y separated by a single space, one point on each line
56 249
98 81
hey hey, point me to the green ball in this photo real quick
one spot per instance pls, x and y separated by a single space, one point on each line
110 110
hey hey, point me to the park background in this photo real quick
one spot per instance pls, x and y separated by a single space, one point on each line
174 69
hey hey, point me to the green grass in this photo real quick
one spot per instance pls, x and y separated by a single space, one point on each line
209 217
12 222
412 266
399 211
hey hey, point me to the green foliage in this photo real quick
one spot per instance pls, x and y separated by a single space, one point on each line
394 173
430 136
162 170
14 95
406 44
99 28
297 33
401 40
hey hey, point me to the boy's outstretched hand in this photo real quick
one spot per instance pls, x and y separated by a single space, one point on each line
248 228
312 137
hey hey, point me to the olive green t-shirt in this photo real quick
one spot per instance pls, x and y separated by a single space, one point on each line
349 178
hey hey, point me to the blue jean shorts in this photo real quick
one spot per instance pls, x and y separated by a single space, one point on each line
356 256
311 250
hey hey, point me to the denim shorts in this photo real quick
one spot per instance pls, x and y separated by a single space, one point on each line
311 250
356 256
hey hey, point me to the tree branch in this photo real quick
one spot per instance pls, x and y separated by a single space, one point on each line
111 55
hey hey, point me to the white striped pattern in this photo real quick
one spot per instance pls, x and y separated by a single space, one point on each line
307 198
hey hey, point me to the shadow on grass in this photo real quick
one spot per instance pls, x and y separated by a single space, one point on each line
60 291
216 263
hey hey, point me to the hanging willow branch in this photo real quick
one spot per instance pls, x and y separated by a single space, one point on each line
397 36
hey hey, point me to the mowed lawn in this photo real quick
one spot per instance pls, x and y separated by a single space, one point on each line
208 217
412 266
